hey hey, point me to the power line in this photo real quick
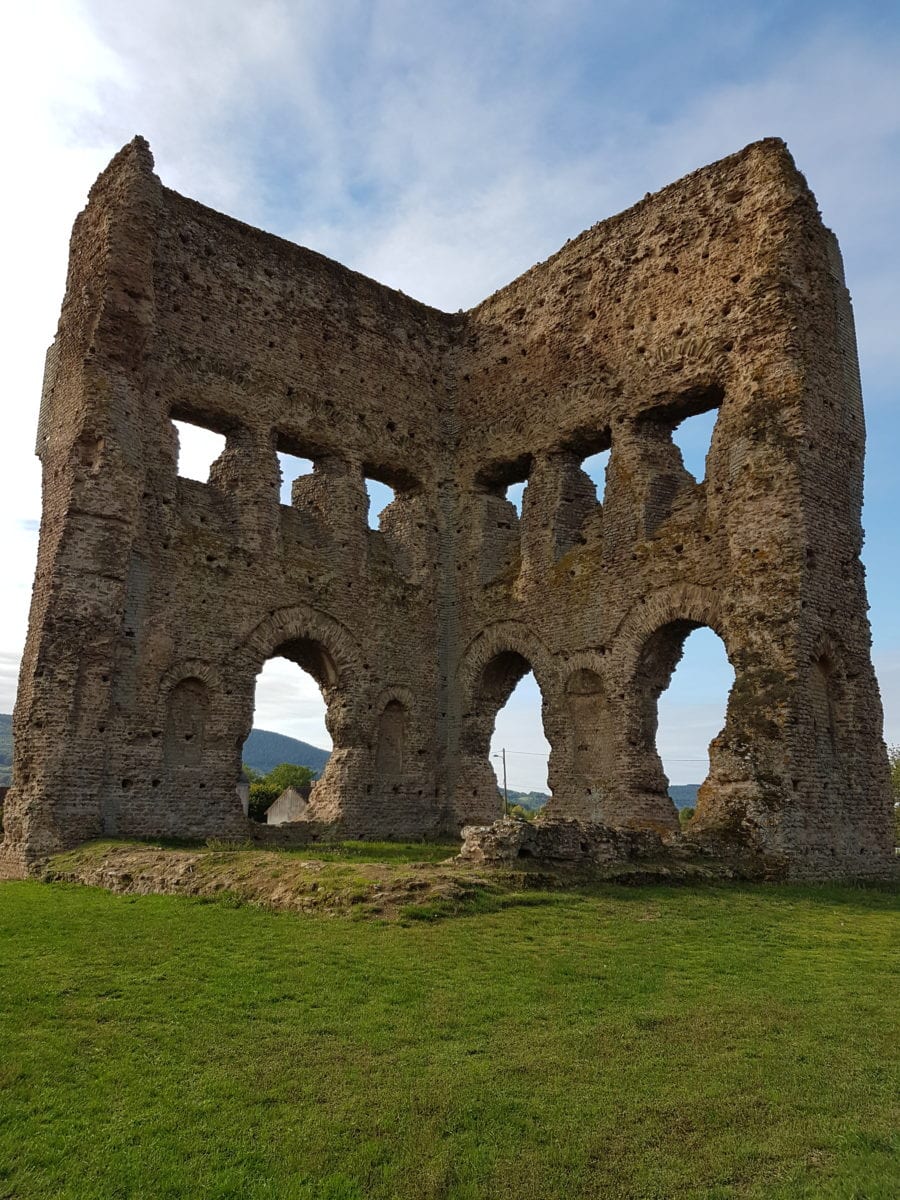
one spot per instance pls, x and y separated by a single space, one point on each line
546 754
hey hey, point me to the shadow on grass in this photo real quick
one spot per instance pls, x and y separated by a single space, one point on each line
477 901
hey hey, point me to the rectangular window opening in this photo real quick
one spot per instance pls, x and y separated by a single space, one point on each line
515 494
506 479
693 437
380 496
198 449
291 467
595 467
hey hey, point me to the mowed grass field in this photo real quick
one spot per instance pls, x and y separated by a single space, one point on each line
621 1042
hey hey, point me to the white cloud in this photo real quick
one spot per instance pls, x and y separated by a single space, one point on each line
289 701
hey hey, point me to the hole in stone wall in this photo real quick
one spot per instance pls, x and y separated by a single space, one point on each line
519 729
506 479
691 712
515 493
291 467
693 437
594 466
198 449
289 731
380 496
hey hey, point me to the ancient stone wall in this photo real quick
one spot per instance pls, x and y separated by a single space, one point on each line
158 599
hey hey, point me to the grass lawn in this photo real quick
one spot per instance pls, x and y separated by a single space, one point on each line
374 852
644 1042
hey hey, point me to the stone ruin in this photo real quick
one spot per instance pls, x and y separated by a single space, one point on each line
158 599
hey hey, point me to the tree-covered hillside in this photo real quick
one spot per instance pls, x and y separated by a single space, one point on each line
264 750
683 794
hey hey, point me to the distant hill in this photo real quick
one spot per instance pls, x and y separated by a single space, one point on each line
684 794
264 750
532 801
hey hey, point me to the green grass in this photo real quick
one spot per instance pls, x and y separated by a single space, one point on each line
622 1043
377 852
370 852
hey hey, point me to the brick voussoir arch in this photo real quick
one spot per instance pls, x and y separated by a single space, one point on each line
681 602
405 696
504 637
298 622
188 668
181 672
585 660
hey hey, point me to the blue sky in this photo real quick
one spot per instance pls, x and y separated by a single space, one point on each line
443 148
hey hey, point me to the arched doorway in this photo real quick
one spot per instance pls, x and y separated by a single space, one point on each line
519 749
289 731
682 686
485 733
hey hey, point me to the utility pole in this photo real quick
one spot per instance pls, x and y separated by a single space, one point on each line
502 755
505 793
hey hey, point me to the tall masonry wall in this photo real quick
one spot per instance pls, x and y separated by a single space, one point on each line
158 599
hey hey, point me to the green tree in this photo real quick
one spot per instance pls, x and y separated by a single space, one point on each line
894 759
289 775
265 789
685 815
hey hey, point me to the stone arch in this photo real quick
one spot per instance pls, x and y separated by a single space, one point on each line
193 668
827 690
584 731
506 637
397 694
682 602
490 667
305 628
646 648
188 694
320 645
488 671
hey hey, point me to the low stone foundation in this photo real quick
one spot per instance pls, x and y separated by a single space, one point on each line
560 841
614 853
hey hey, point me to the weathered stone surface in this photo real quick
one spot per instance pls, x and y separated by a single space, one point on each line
157 599
570 841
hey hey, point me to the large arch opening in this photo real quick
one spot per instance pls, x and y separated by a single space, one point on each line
690 680
519 739
290 742
505 715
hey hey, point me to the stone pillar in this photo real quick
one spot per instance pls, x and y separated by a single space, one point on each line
90 441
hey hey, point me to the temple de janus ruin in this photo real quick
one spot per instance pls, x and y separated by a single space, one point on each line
158 599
